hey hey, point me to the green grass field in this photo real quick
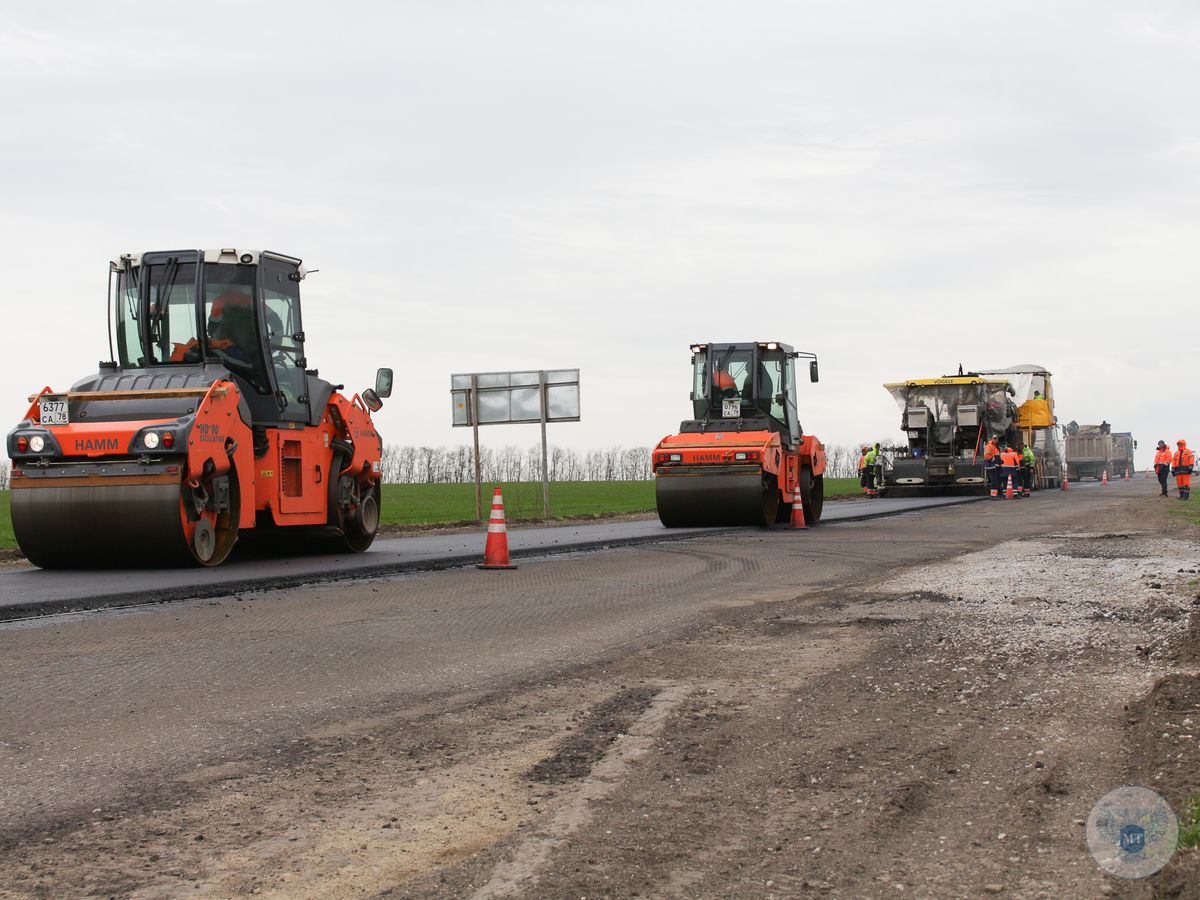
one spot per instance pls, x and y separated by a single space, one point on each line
432 504
7 541
1189 511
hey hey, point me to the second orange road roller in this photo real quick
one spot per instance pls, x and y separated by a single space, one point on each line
743 458
204 422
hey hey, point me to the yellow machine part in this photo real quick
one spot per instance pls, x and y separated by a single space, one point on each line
1035 414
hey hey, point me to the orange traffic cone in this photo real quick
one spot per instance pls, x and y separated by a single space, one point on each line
797 513
1104 477
1008 491
1126 473
1065 480
495 552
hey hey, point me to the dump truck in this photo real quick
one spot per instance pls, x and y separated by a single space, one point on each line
947 422
1122 454
1093 450
204 422
743 459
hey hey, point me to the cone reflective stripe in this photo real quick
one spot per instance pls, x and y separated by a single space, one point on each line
495 551
797 512
1127 473
1104 477
1008 491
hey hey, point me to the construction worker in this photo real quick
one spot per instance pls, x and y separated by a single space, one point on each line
878 469
872 482
862 472
1162 466
724 385
1182 464
1028 463
991 466
1010 468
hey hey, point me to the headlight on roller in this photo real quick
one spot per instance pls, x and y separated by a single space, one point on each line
150 439
37 443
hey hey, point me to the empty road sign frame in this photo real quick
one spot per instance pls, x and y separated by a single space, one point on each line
514 398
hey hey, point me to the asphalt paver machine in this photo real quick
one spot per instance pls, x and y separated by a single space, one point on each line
204 422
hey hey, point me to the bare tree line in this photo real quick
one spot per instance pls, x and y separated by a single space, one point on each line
3 476
443 465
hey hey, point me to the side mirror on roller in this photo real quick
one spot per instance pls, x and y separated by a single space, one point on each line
383 383
813 375
374 404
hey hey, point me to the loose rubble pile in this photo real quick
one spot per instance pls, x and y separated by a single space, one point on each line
1061 594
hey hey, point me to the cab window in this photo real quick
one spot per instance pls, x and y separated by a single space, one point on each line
232 333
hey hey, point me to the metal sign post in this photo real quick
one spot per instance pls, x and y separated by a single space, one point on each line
545 467
475 437
501 398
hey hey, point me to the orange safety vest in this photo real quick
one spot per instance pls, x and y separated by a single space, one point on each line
862 461
990 451
1184 457
1163 457
1010 458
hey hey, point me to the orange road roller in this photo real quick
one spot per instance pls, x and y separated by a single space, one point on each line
204 422
743 459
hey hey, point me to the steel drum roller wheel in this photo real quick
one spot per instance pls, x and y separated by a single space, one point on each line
107 526
727 499
357 526
814 496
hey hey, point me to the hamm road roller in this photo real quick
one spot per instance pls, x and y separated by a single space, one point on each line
743 459
205 421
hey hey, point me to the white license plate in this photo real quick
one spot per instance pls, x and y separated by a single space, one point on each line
53 412
731 409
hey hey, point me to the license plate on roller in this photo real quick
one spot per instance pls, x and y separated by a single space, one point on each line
731 409
53 411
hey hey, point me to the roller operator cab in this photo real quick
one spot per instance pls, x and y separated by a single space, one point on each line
205 421
743 458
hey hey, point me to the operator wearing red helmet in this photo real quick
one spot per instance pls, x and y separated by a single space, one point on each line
1182 464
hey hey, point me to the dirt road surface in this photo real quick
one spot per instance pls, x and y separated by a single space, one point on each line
927 705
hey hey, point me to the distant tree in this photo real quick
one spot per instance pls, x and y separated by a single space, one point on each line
430 465
3 476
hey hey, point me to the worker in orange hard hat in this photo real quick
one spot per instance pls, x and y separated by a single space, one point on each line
1182 464
231 327
724 385
991 465
1010 469
1162 466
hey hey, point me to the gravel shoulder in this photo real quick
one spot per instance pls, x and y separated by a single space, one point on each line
873 710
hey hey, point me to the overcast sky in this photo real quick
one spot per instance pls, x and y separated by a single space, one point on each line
488 186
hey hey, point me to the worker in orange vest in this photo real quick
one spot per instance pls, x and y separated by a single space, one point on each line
991 465
1162 465
1010 469
862 471
1182 463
